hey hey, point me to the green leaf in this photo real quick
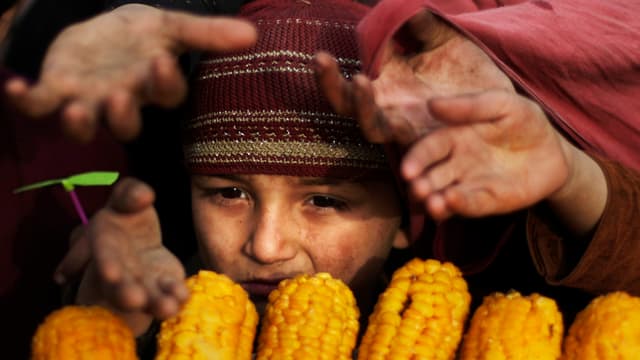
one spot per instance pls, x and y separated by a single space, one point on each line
37 185
92 178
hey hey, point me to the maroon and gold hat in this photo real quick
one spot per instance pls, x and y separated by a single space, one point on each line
260 111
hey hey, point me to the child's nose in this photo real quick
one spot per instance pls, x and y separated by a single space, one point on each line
273 237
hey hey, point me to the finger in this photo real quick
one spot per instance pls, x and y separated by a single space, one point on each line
106 249
435 179
76 259
195 32
128 294
123 116
335 87
437 207
79 121
175 287
167 86
472 108
77 234
131 195
34 101
117 267
469 202
163 301
370 117
425 153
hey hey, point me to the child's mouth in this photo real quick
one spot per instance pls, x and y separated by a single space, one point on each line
260 288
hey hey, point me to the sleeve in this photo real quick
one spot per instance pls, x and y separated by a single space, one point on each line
608 261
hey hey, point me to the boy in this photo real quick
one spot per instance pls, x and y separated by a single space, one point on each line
280 184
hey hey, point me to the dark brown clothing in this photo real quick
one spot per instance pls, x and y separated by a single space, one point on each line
610 260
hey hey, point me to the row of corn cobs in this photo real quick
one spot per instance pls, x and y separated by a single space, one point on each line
421 315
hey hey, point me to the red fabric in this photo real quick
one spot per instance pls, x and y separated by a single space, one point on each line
580 59
36 224
261 110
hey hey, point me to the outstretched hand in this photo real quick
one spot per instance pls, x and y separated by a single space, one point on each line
111 65
487 153
129 270
436 61
497 153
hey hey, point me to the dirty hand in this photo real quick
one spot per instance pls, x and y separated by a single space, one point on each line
497 153
129 270
393 107
108 67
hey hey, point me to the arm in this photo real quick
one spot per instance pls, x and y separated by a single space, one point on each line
499 153
547 52
607 258
475 155
129 270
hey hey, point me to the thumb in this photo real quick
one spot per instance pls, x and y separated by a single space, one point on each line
130 196
473 108
208 33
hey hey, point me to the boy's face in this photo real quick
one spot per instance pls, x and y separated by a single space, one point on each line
260 229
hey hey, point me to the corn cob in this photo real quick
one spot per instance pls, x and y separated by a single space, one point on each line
608 328
512 326
420 315
83 332
309 317
217 322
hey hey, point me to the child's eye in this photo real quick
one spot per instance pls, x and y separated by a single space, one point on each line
230 193
226 195
323 201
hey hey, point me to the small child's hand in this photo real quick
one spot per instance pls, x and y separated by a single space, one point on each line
130 270
496 153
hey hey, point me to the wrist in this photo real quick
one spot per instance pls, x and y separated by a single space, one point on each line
580 201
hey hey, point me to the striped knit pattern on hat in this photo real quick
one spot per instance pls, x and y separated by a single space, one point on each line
261 111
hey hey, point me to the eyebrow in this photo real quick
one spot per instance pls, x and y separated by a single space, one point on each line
323 181
307 181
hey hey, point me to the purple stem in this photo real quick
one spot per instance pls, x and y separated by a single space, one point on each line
78 206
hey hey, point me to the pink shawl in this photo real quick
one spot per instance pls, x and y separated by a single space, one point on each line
580 59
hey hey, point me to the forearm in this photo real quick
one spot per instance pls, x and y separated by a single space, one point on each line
578 205
606 259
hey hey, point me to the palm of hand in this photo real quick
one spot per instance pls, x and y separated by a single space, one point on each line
406 83
106 53
130 269
493 167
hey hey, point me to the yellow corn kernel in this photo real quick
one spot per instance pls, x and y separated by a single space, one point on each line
420 315
309 317
217 322
608 328
512 326
83 333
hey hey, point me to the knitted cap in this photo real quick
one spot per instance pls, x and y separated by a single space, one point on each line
261 111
